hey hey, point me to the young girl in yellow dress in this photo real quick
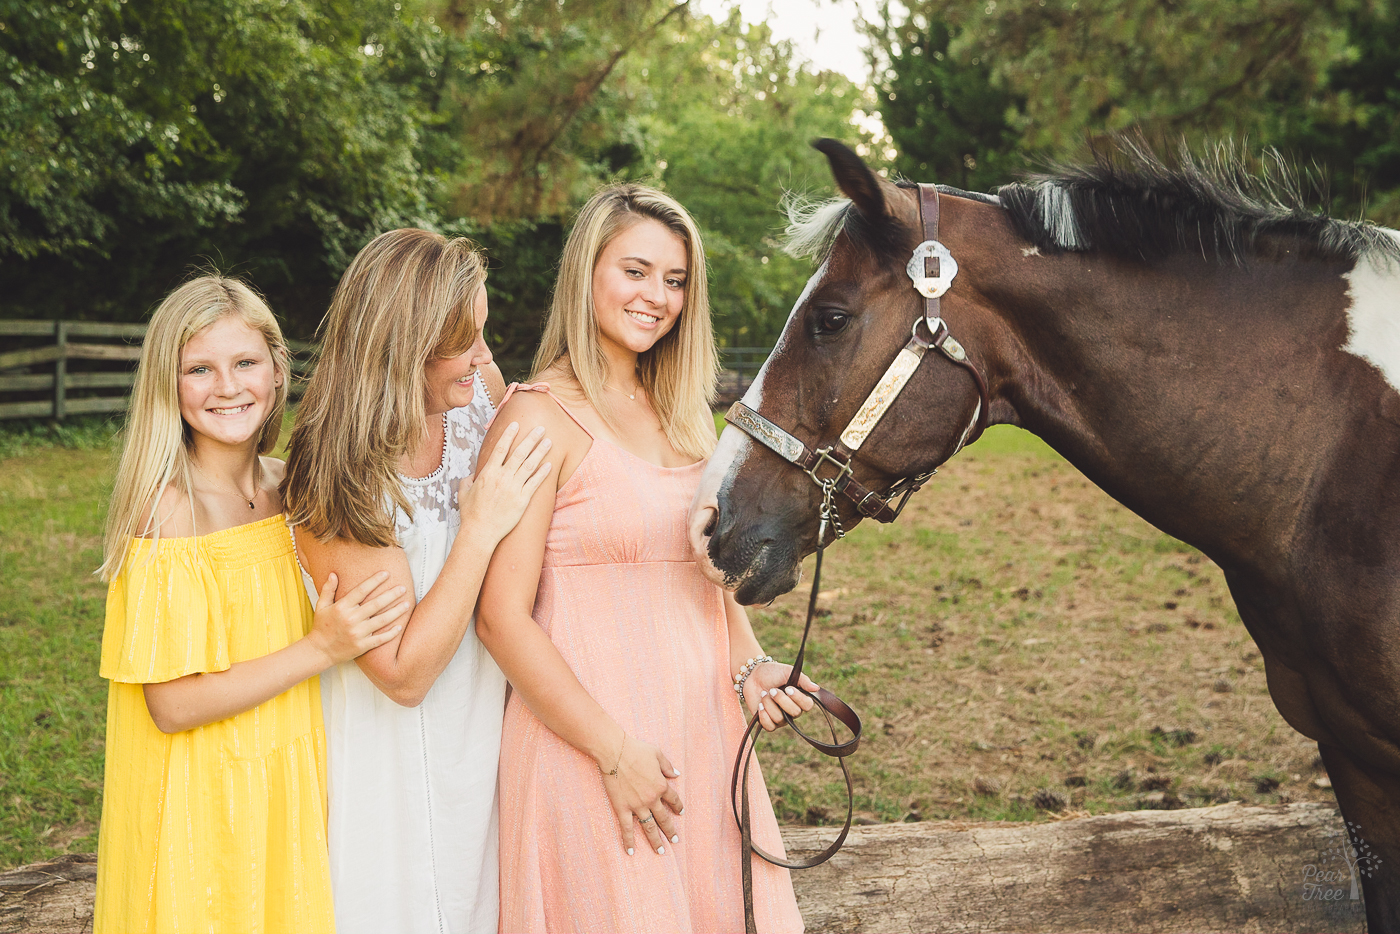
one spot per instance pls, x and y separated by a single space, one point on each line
213 815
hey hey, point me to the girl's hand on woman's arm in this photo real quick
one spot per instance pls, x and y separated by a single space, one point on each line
342 629
349 627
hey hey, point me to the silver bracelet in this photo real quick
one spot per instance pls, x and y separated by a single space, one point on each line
744 671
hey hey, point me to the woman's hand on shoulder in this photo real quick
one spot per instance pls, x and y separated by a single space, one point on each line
492 501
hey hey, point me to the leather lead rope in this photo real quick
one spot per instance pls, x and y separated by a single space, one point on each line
831 707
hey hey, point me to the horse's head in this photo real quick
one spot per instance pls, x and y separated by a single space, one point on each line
756 515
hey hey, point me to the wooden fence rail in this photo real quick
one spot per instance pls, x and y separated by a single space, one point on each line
72 341
36 380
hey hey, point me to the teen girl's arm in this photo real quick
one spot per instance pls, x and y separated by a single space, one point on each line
533 664
765 689
405 666
341 630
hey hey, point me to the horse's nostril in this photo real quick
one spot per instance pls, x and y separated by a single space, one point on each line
710 526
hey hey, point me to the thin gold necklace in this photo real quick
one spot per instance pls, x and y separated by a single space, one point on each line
631 395
257 478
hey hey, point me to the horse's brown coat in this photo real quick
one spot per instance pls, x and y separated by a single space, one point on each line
1212 399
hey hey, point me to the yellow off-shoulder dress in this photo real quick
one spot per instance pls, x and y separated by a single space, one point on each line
221 828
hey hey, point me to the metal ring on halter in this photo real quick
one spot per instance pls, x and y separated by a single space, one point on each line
932 286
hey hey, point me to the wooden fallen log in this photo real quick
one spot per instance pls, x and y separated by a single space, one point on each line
1226 868
54 897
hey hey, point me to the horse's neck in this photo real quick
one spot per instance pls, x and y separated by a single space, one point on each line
1207 398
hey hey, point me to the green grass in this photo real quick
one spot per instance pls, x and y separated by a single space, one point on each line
52 703
1014 631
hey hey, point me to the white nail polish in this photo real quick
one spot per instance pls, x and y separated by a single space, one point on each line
661 851
791 691
675 838
630 851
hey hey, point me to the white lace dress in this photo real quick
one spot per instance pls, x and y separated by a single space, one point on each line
413 790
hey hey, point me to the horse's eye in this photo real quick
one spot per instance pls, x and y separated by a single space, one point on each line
831 320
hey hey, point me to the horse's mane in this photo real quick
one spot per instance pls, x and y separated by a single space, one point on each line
1130 203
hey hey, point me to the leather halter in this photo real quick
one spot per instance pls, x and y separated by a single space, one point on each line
933 282
830 467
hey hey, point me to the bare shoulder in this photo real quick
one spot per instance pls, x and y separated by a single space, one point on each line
495 382
531 410
172 514
273 470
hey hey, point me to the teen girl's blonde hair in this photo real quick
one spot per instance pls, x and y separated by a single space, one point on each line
679 371
406 298
156 449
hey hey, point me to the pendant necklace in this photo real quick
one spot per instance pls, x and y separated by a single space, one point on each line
257 470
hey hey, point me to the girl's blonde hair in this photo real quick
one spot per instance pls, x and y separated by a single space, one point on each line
679 371
406 298
156 449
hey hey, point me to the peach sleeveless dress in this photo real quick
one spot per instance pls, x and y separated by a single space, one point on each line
645 632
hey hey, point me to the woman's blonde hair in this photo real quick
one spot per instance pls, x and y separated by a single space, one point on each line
406 298
156 448
679 371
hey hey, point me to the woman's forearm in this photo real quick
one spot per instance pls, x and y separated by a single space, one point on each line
197 699
405 669
548 686
743 644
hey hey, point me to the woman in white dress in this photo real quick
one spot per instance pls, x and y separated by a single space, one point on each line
381 476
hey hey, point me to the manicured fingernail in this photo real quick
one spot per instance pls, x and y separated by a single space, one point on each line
791 691
631 852
682 810
675 772
661 850
675 838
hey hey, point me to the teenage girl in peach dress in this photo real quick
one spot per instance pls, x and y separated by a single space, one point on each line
622 656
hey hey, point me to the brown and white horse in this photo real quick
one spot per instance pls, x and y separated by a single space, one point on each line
1222 364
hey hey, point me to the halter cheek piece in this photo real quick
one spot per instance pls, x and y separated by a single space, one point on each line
932 270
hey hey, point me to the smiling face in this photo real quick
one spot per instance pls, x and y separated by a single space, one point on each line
448 381
639 286
228 383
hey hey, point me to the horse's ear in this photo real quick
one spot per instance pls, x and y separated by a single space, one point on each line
853 178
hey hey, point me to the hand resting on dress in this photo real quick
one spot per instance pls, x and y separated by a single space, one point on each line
641 785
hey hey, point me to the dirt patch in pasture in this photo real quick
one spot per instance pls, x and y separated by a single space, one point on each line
1021 647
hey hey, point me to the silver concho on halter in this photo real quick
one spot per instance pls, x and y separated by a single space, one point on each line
932 286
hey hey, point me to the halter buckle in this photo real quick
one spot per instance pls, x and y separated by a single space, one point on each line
826 456
932 286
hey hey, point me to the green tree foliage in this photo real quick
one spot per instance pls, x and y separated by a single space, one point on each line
731 115
1035 79
275 139
950 123
140 135
1349 134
